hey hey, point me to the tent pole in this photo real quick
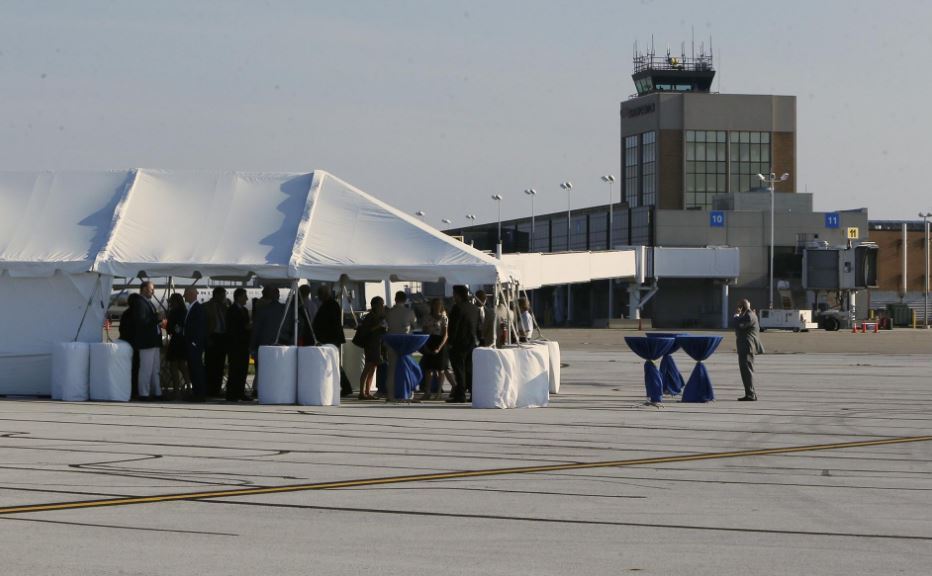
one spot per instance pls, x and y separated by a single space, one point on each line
284 317
294 292
498 286
87 307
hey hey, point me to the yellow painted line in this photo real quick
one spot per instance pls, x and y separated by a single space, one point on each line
450 476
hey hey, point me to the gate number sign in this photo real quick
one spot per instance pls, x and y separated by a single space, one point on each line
717 219
832 220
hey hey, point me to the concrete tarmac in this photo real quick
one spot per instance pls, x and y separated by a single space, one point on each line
834 510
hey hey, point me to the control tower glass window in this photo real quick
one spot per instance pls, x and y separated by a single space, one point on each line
649 168
631 171
706 162
749 153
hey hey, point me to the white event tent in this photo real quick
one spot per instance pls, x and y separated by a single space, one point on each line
65 235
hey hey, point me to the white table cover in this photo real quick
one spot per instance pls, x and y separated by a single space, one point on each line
111 371
318 375
353 363
70 371
554 349
511 377
278 374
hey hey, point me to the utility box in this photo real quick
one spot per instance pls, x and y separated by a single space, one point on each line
900 314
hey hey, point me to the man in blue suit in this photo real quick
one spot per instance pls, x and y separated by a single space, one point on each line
195 338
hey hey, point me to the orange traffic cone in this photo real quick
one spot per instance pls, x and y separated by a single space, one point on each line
876 327
854 328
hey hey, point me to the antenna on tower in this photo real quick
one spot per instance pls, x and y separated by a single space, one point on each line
692 39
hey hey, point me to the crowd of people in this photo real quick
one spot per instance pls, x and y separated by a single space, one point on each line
204 342
198 343
447 355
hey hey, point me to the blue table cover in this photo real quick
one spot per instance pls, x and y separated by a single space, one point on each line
407 372
651 349
672 378
699 348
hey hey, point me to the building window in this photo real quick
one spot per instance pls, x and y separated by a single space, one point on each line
706 161
750 155
649 167
558 240
598 230
580 232
631 170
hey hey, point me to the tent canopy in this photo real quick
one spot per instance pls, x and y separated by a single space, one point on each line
218 223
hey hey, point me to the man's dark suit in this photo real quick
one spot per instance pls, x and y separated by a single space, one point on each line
237 331
747 341
328 328
464 327
195 338
265 324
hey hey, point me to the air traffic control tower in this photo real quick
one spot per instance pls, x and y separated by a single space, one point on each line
682 143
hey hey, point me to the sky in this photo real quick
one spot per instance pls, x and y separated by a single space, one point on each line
437 105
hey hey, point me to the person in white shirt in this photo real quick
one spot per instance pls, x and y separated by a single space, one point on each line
525 321
401 320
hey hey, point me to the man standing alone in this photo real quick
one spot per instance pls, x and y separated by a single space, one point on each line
464 326
747 341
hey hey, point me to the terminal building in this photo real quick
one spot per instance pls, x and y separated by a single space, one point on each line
689 166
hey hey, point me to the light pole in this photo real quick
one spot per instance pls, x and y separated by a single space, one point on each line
569 218
531 192
611 198
925 288
420 214
471 218
446 221
498 247
569 212
771 181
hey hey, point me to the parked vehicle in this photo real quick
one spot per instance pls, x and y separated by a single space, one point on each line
778 319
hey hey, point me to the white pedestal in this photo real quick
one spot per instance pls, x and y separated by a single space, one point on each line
111 371
278 374
511 377
318 375
71 371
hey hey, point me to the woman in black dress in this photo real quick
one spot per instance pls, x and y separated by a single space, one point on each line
369 335
435 351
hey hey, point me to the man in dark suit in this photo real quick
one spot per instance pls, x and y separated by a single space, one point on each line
747 341
237 335
215 354
328 328
463 330
266 320
195 339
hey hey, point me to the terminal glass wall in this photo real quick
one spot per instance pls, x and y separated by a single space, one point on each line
649 168
630 180
598 230
706 162
580 232
558 234
749 154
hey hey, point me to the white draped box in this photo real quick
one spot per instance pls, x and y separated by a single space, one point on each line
318 375
353 363
278 374
71 371
554 349
511 377
111 371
